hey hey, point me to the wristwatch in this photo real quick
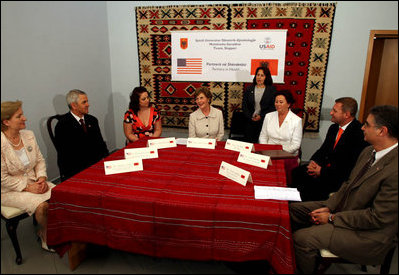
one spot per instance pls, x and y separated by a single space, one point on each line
330 220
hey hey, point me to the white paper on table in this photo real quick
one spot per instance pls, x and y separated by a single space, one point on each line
205 143
276 193
236 145
235 173
122 166
161 143
254 159
181 141
141 153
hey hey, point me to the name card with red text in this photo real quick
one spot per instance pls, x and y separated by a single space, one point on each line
122 166
235 173
238 146
141 153
161 143
254 159
206 143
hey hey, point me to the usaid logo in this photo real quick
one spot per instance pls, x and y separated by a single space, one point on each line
267 44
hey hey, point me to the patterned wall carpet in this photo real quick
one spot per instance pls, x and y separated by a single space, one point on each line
308 41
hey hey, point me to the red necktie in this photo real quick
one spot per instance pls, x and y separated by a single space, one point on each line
82 122
340 131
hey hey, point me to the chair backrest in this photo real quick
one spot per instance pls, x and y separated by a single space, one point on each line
50 128
218 107
301 113
238 123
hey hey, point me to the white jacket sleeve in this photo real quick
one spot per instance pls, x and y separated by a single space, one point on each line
191 127
263 136
296 139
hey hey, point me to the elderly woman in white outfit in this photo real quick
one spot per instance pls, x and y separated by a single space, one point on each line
206 121
24 182
283 127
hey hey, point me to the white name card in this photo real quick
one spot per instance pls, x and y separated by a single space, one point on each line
161 143
236 145
235 173
181 141
122 166
254 159
141 153
207 143
277 193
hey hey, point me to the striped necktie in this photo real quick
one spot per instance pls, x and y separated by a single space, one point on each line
366 167
362 171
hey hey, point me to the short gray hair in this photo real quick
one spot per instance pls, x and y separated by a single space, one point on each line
73 96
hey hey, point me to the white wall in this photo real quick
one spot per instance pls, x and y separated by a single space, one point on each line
48 48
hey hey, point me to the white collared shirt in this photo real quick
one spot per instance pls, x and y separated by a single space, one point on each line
380 154
77 118
343 128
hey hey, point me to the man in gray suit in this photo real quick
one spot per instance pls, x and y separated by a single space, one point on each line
360 221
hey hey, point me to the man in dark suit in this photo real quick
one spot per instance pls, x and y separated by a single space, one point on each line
331 164
78 137
359 222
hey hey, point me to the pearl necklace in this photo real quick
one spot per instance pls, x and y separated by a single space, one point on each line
15 145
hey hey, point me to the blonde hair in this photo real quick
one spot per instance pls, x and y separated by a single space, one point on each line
8 109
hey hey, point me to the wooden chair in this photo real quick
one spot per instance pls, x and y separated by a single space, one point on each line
326 258
12 216
237 128
51 134
50 128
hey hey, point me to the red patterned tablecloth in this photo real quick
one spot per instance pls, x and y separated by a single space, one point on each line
177 207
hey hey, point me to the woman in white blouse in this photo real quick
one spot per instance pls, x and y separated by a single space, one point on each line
206 121
24 182
282 126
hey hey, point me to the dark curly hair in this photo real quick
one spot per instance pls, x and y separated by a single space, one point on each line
134 103
287 94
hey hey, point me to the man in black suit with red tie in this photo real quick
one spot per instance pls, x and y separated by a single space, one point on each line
78 137
332 163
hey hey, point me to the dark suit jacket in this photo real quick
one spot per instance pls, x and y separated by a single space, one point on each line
338 163
266 103
78 150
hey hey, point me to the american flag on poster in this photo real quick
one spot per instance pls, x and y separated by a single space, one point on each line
189 66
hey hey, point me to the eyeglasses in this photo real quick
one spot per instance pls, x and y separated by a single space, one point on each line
367 125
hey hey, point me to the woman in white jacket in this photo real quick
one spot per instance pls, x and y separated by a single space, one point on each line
24 182
282 126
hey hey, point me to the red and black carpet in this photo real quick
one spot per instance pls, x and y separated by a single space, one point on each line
309 28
